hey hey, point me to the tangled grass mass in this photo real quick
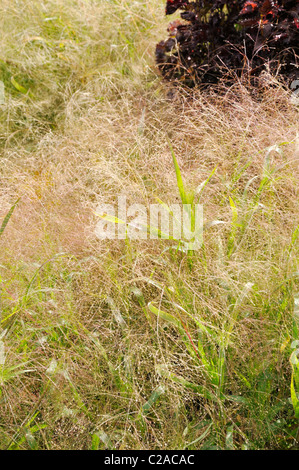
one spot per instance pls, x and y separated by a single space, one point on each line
134 344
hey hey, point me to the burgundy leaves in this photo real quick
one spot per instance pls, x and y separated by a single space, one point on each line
173 5
220 38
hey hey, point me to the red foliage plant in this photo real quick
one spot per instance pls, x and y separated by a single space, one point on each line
220 39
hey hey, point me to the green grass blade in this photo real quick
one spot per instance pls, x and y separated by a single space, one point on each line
200 389
153 398
8 216
185 197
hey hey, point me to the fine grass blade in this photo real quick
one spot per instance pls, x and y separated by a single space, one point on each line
153 398
202 186
8 216
200 438
102 436
180 326
233 234
185 197
200 389
18 87
294 399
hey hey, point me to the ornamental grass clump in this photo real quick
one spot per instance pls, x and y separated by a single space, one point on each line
221 39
